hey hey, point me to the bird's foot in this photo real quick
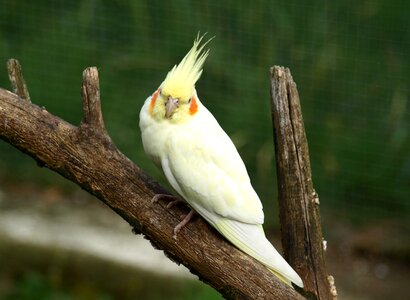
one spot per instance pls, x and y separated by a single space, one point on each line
181 224
173 202
173 199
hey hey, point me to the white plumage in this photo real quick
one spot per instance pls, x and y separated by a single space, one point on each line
202 164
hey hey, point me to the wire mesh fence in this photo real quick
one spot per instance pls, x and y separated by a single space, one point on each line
350 60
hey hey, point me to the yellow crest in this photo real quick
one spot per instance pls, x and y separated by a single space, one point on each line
180 81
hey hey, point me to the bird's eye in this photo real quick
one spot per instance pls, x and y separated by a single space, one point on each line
190 99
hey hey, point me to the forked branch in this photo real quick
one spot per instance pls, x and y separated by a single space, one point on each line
87 156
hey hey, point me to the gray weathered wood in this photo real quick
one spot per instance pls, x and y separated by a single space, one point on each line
299 204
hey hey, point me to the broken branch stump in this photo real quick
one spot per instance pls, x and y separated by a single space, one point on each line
301 230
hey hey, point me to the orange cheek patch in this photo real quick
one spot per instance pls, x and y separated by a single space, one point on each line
193 108
153 100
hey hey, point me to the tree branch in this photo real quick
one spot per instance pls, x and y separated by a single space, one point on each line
299 204
90 92
17 81
87 156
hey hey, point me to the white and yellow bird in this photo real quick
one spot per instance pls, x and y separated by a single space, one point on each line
202 164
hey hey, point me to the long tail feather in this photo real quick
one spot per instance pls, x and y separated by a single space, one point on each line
251 239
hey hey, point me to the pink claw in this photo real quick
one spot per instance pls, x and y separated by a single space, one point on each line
181 224
174 200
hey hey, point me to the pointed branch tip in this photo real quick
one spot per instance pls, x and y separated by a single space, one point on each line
17 81
91 72
90 91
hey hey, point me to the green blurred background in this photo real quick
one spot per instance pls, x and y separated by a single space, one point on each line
350 60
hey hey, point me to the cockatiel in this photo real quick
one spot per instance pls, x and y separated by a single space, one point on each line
202 164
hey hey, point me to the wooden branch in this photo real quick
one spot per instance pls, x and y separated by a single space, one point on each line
87 156
17 81
90 92
299 204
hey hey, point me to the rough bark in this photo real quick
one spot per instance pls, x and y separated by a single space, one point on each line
16 79
86 155
301 231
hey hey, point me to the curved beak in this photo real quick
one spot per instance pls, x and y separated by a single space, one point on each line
170 105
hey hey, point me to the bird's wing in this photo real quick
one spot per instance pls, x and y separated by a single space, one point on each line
203 165
210 181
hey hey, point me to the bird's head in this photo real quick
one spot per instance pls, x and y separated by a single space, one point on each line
176 100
